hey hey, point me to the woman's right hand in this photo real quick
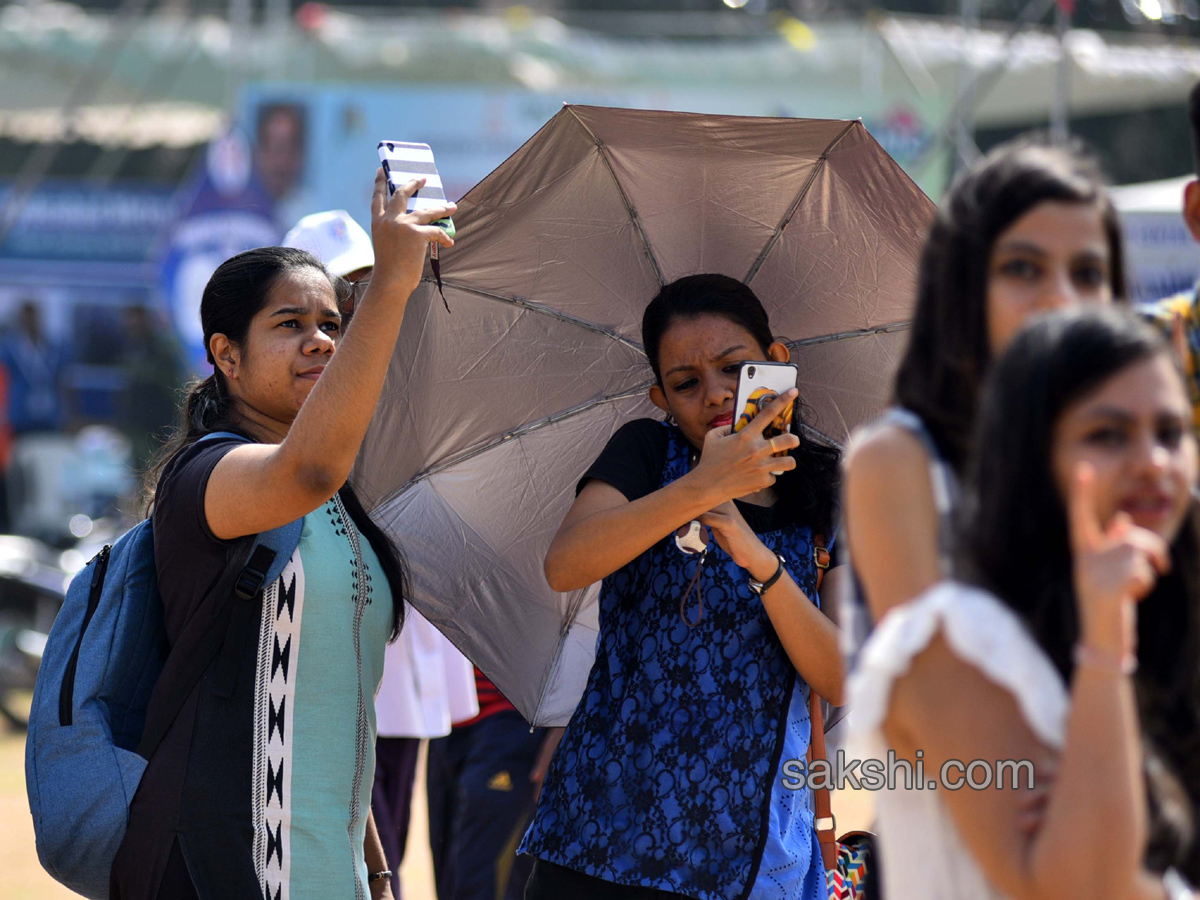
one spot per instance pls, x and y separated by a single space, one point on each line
400 237
1115 568
734 465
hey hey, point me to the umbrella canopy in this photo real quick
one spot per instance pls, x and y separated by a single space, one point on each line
490 414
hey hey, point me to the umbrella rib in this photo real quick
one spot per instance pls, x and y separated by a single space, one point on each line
629 208
791 211
568 622
544 310
519 432
849 335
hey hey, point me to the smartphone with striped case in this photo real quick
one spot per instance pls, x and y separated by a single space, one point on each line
402 162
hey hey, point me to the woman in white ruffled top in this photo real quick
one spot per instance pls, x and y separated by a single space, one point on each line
1083 558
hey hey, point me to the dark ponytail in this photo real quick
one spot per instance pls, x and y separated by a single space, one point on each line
810 491
206 407
234 295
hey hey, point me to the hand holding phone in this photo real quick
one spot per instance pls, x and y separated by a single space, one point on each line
759 384
404 162
400 240
734 465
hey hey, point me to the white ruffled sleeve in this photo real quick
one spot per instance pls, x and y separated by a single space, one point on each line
980 630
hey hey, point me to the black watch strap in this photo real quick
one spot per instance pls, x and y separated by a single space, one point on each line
761 587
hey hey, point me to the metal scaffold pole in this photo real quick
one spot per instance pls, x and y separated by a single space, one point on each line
964 132
240 12
979 84
279 19
1060 111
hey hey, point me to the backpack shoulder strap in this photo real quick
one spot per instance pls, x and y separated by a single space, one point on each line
258 561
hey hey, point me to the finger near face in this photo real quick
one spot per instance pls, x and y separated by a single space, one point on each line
699 358
1054 256
776 414
1134 430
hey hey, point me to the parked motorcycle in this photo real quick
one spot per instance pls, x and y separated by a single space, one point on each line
32 587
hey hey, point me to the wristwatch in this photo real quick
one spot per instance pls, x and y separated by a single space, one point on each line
761 587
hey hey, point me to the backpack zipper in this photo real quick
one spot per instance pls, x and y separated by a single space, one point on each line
67 694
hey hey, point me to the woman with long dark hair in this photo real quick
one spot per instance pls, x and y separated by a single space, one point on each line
261 787
1029 229
668 778
1071 646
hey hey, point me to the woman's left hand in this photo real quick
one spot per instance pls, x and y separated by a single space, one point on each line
382 890
736 538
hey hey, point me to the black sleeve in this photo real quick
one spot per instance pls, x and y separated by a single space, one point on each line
633 461
187 556
179 500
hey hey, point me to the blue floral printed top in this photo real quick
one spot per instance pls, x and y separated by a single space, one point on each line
669 773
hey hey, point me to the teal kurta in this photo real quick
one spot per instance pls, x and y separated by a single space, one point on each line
325 626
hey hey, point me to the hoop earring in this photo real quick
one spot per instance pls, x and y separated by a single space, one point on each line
670 420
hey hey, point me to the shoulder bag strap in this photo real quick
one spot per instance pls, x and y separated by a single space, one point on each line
824 822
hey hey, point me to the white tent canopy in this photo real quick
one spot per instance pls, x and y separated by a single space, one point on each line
1165 197
1108 73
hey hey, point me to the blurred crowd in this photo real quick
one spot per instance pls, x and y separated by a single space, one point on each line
53 465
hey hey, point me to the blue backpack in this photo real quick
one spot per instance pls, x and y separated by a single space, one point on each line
93 727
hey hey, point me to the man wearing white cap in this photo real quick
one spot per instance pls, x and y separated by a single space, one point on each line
427 684
337 240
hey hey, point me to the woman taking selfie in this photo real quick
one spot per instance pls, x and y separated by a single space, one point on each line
262 786
667 781
1027 230
1077 622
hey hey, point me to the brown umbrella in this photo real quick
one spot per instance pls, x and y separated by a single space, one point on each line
490 414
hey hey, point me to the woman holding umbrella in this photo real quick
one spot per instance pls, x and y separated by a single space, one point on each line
667 780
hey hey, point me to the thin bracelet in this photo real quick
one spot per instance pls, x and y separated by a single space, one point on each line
379 876
1125 664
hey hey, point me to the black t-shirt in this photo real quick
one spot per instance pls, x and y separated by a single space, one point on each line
188 558
633 463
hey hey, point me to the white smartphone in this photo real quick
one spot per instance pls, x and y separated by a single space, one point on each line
402 162
759 383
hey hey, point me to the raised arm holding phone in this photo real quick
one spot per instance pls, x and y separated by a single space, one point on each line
266 770
312 409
